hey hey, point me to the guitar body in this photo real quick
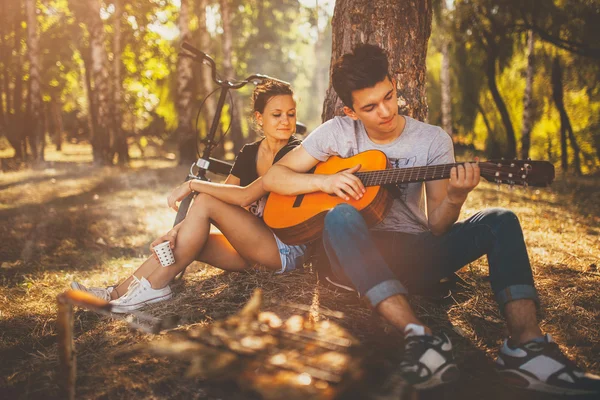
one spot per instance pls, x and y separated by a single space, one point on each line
300 219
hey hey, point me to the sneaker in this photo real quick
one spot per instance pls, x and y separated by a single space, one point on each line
428 360
541 366
139 293
101 293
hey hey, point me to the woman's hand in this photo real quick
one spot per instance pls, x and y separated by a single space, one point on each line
170 237
178 194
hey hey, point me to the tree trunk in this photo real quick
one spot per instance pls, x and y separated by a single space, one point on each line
402 28
120 144
55 119
102 140
445 72
33 124
565 123
235 131
87 76
528 100
185 132
16 131
3 89
209 107
492 56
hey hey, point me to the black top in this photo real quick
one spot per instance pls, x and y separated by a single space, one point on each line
244 166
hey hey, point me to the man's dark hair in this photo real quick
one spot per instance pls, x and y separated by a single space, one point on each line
364 67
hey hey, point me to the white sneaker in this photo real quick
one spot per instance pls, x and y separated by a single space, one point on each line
101 293
140 293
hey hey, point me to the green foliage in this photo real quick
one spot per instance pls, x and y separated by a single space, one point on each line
479 25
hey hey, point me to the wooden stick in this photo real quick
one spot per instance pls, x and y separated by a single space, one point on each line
66 348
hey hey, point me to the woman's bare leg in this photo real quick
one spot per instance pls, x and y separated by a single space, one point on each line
244 238
217 252
248 235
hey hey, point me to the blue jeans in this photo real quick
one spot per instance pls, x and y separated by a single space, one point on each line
381 264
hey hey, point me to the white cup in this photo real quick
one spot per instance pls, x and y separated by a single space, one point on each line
165 254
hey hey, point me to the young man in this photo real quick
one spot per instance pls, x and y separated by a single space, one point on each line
419 241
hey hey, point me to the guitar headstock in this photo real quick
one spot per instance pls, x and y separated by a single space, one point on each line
518 172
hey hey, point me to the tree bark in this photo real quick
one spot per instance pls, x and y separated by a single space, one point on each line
185 132
103 138
565 123
209 107
528 99
55 119
89 90
511 143
445 72
35 129
235 131
120 144
16 132
402 28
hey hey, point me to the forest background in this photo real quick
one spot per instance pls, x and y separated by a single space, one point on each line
97 109
507 78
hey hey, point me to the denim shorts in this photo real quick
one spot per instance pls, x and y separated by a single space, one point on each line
292 257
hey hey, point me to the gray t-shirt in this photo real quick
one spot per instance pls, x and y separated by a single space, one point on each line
419 145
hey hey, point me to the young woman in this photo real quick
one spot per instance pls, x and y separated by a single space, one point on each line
234 207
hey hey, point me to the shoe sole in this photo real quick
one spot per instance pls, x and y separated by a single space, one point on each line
523 381
76 286
118 309
442 376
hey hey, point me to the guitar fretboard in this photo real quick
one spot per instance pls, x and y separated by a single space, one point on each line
405 175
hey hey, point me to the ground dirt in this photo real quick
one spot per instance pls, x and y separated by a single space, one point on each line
71 221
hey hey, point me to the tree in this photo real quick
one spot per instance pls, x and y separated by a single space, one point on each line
492 32
185 135
565 122
528 99
12 60
97 80
120 147
445 71
236 133
35 129
399 26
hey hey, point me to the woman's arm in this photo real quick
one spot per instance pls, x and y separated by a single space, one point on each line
227 192
230 192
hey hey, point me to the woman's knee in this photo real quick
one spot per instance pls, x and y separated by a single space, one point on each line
204 203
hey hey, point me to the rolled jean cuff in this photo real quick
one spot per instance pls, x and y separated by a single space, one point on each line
516 292
383 290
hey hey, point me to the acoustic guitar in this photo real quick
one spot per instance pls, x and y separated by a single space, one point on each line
300 219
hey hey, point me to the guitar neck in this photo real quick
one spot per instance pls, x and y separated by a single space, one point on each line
406 175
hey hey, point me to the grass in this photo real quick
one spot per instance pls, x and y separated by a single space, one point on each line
72 221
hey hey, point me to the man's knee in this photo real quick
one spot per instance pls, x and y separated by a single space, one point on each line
501 218
341 215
